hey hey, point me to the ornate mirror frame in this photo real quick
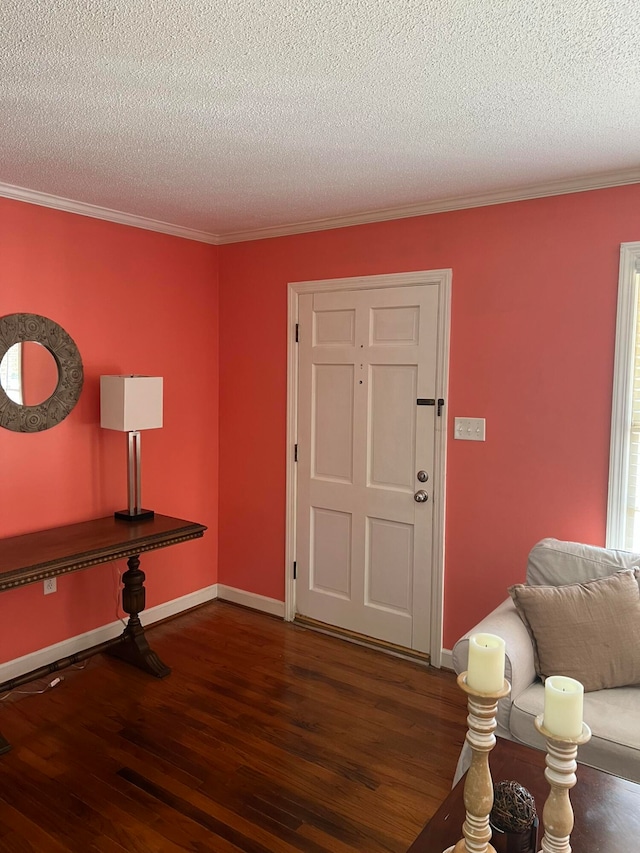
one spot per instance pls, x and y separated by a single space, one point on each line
19 328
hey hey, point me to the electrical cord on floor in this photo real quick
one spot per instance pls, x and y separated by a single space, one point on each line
53 683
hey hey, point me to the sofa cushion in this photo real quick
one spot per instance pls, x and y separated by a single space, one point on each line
587 631
553 562
612 716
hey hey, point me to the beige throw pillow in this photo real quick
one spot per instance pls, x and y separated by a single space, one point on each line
588 631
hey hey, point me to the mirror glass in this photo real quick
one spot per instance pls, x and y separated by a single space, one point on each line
28 373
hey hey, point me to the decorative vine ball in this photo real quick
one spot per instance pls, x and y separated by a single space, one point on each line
514 809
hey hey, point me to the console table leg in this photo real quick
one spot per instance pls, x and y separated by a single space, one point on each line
134 648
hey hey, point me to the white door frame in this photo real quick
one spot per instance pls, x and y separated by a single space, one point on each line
437 278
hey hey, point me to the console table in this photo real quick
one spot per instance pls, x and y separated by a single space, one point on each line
46 554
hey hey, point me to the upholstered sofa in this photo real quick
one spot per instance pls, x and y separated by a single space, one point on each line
613 714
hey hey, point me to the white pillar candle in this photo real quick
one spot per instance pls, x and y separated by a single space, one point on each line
485 671
563 700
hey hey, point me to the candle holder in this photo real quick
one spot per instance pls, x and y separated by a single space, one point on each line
478 786
557 815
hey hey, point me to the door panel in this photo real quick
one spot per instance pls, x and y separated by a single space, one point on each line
363 544
332 439
395 325
331 552
389 543
392 391
332 328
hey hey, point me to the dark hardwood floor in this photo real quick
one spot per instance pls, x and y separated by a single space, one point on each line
267 738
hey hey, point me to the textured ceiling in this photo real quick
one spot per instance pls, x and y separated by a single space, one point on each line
231 116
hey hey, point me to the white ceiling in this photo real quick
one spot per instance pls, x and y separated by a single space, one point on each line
230 117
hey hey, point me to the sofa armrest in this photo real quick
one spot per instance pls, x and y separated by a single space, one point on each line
519 663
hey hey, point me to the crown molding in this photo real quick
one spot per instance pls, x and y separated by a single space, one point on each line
551 188
576 185
96 212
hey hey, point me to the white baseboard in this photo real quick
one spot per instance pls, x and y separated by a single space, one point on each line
178 605
446 661
42 657
251 599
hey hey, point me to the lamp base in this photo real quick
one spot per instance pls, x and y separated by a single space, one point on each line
141 515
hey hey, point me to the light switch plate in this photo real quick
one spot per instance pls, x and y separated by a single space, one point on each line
469 429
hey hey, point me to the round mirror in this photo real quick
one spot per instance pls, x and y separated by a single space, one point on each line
28 373
41 373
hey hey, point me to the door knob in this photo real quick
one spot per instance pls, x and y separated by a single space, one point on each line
422 476
421 496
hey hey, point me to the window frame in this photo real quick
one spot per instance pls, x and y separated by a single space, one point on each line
622 403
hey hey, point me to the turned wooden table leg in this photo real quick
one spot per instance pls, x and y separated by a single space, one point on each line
134 648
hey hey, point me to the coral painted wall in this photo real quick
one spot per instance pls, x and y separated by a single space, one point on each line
134 301
532 341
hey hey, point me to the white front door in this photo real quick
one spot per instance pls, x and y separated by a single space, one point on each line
367 366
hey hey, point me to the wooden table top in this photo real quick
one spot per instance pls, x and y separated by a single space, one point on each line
47 553
606 808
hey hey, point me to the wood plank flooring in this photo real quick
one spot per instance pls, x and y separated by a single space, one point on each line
267 738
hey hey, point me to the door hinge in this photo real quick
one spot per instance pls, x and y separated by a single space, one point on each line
297 332
295 453
295 570
430 401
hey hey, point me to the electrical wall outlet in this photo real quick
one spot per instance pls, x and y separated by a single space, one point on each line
50 585
469 429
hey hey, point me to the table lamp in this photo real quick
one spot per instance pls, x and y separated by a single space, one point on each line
130 404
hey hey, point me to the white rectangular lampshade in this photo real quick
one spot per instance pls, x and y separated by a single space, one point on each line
130 403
